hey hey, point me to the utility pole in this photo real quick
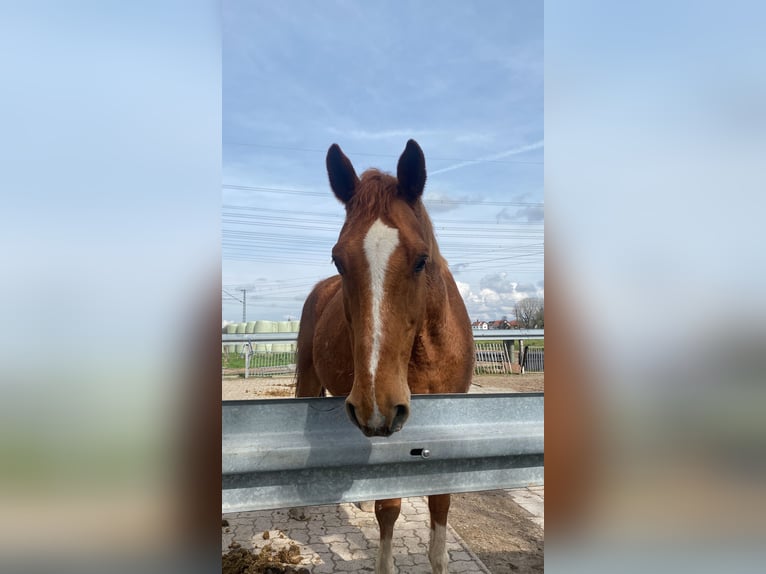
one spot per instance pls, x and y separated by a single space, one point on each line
244 305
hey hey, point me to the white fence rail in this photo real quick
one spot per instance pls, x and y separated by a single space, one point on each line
270 354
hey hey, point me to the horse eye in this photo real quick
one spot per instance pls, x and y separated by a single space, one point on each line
421 264
338 266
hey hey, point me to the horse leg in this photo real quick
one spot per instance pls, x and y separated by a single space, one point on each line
438 506
386 511
307 384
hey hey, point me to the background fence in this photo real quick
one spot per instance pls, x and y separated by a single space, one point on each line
492 357
534 359
267 355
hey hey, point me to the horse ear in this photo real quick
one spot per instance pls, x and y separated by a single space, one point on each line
343 178
411 172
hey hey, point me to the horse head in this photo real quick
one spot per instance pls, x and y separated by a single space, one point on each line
383 254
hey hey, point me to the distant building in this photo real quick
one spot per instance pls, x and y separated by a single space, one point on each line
503 324
480 325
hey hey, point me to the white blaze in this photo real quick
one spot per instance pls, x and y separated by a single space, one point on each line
379 243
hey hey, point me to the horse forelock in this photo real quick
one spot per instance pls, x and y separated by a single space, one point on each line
374 198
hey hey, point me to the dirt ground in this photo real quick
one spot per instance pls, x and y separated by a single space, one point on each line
497 529
236 387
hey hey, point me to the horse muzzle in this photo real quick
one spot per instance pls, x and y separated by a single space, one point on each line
381 425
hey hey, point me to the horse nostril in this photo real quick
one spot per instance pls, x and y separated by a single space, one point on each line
401 413
352 414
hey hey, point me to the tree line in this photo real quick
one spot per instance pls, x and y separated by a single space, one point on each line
530 313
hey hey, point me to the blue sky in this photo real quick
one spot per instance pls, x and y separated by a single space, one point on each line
465 79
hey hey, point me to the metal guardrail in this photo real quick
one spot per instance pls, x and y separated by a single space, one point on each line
291 337
281 453
507 334
478 335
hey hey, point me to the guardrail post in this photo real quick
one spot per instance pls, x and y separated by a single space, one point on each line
248 354
508 344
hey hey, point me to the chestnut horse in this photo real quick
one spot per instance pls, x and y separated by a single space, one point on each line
391 323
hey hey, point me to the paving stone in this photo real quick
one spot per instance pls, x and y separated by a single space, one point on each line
354 565
464 566
326 568
346 529
423 533
343 538
325 557
418 568
456 556
420 559
409 525
413 544
356 540
363 554
341 550
370 533
299 537
244 532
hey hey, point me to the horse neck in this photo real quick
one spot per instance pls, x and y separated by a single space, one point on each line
438 272
428 231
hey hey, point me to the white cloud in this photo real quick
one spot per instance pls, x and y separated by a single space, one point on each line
440 202
463 288
497 296
532 214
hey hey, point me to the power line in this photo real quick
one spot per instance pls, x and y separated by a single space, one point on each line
425 199
440 233
430 158
340 215
317 220
262 282
275 190
232 296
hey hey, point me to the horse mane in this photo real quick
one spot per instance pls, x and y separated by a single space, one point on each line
373 197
